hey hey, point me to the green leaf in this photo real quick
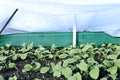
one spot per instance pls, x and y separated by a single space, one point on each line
13 78
91 60
23 56
85 56
74 51
23 49
94 72
52 65
13 52
103 45
37 65
117 62
112 70
112 57
1 77
57 73
72 78
65 64
43 70
68 61
113 76
76 57
103 78
86 47
37 79
27 67
11 65
23 45
109 45
83 66
8 45
15 57
78 76
62 56
1 67
53 47
3 58
40 56
57 67
41 48
117 48
107 63
51 56
67 72
29 47
82 45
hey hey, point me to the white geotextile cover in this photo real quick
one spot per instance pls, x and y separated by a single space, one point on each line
61 15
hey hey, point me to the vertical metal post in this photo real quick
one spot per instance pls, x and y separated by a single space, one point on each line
74 32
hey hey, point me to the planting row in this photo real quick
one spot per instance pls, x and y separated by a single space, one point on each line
85 62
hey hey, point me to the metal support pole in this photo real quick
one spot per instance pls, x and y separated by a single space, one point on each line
74 32
8 21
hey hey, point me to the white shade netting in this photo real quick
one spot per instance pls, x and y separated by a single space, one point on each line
61 15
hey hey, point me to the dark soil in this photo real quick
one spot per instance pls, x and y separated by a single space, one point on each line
31 75
6 73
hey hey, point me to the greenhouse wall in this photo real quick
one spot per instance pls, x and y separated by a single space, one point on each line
60 39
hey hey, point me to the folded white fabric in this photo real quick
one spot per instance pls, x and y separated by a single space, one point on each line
5 13
38 22
61 15
62 6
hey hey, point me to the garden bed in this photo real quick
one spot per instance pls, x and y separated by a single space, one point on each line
85 62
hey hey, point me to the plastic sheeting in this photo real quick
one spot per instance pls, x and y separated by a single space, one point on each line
61 15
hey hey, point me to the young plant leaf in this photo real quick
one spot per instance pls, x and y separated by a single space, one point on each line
57 69
67 72
86 47
62 56
44 70
78 76
57 73
104 78
117 48
1 67
113 76
83 66
1 77
112 57
68 61
85 56
37 79
112 70
74 51
94 72
3 58
65 64
51 56
15 57
8 45
27 67
11 65
107 63
117 63
30 46
37 65
91 60
13 78
72 78
23 56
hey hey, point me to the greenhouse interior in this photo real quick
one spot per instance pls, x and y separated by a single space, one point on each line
59 40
